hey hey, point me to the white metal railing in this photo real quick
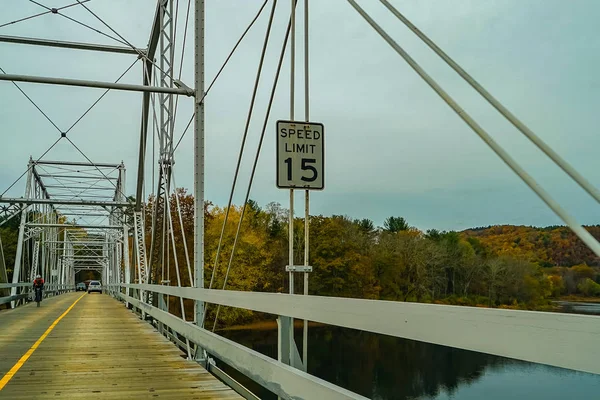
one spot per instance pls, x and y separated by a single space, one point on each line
561 340
285 381
26 291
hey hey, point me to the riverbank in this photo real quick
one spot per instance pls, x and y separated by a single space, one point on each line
579 299
266 326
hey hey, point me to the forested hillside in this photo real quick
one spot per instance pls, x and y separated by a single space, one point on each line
550 246
499 266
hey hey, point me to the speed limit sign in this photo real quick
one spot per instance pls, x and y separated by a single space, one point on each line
300 155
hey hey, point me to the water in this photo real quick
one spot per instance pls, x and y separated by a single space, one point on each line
386 368
579 308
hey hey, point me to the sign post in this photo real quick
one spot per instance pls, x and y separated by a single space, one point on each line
300 164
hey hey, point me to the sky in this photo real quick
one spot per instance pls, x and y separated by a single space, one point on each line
392 148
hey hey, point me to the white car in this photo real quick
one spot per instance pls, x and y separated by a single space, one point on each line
94 286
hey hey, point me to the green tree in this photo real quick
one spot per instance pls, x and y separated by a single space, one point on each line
589 288
340 259
395 224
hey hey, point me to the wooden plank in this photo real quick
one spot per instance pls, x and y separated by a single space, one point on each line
99 350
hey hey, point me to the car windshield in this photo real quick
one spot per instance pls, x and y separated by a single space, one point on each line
94 283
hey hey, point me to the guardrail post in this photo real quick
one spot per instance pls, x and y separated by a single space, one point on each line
162 304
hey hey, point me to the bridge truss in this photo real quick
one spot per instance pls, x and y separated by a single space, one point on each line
72 219
75 217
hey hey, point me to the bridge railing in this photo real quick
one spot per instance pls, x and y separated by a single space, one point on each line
561 340
25 291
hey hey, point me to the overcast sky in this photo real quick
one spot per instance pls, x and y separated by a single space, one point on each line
393 146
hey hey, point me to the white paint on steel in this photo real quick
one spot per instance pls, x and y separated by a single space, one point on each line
562 340
93 84
283 380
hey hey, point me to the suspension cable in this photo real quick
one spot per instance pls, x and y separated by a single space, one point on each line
37 15
29 167
564 165
79 22
583 234
34 104
125 41
100 98
243 144
98 169
262 136
183 238
172 234
185 31
221 70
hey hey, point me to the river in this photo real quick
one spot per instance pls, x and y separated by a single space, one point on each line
387 368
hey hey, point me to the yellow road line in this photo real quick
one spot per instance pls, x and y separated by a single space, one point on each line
6 378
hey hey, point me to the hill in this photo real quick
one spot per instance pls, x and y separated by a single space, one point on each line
548 247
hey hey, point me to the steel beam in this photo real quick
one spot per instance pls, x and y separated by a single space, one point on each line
155 31
84 188
83 214
199 159
87 243
87 196
76 226
95 84
82 257
13 200
71 45
38 179
77 164
78 177
147 79
21 235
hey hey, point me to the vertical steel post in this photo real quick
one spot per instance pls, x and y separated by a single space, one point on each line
44 259
19 253
307 192
291 228
63 259
199 164
126 264
3 273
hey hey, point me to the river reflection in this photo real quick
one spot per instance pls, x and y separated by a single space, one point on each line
383 367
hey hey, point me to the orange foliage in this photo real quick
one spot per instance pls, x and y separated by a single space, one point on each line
551 246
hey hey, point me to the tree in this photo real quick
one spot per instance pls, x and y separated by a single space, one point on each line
395 224
494 274
434 234
340 259
365 225
589 288
557 285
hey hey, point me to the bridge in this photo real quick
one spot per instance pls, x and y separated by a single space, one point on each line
133 341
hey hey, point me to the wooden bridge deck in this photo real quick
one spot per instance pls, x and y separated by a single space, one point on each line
98 350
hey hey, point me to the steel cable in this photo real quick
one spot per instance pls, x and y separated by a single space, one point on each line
264 128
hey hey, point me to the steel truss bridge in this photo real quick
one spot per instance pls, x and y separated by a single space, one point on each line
76 216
